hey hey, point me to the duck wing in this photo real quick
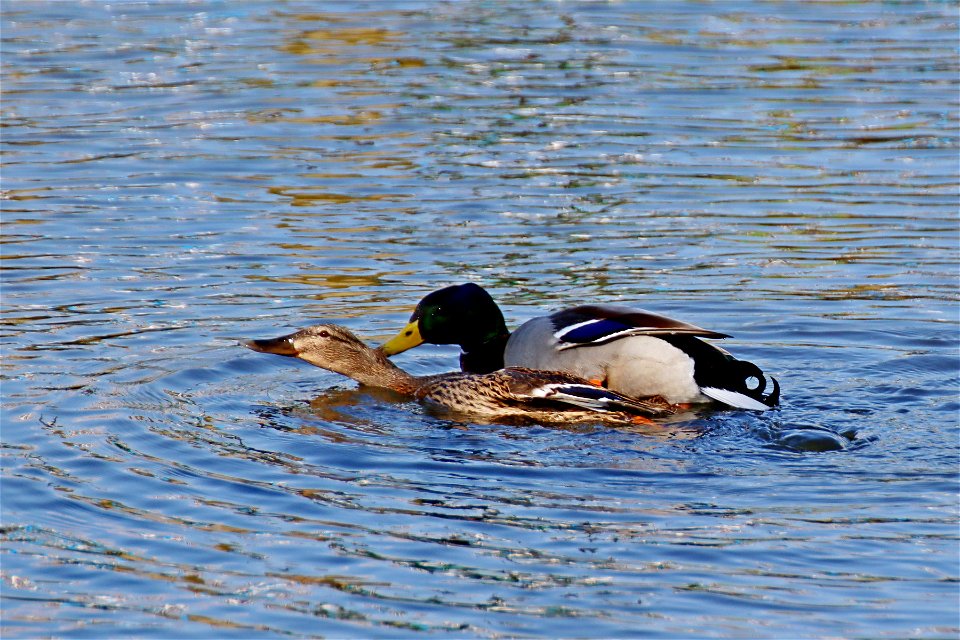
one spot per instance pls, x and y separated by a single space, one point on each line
528 385
600 323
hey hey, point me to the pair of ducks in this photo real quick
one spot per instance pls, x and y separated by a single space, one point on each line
580 364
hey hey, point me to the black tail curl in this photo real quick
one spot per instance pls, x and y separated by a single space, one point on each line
714 367
747 371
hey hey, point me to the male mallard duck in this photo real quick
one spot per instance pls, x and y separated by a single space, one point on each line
631 351
548 396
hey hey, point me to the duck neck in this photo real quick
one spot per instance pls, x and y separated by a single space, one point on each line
376 370
396 379
484 356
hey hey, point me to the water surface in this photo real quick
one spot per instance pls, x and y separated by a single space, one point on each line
180 175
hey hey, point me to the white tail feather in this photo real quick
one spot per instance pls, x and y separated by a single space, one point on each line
733 398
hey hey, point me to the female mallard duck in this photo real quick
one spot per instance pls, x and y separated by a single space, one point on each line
631 351
547 396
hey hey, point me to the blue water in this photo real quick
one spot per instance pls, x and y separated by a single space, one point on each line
177 176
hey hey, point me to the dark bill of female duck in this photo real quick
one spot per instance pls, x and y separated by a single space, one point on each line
634 352
548 396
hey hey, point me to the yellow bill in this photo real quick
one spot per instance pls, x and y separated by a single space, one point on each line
406 339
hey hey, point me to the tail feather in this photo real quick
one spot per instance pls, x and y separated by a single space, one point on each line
738 383
738 400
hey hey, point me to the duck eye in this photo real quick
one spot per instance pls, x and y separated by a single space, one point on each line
324 333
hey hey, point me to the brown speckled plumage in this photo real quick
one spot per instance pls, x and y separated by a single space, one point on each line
513 392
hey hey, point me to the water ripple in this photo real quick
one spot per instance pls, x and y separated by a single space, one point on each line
180 177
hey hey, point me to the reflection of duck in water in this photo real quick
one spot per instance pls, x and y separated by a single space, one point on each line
547 396
631 351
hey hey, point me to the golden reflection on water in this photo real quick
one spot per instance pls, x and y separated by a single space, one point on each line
328 42
329 281
306 196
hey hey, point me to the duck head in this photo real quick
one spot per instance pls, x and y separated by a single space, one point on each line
463 314
331 347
